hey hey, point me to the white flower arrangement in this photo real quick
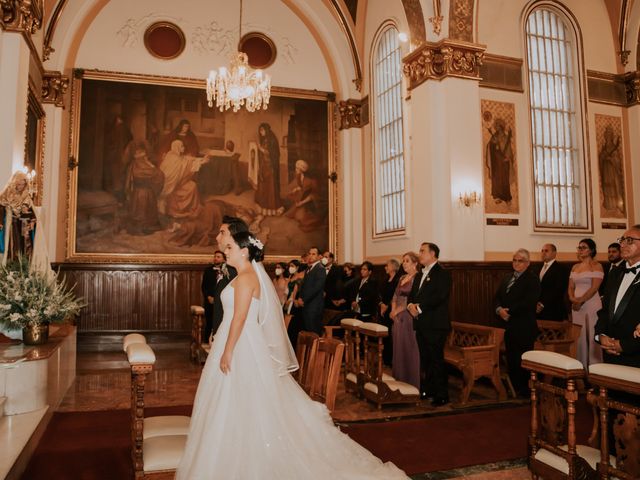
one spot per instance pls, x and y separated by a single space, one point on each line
30 298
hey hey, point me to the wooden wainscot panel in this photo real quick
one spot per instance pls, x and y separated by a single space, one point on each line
614 226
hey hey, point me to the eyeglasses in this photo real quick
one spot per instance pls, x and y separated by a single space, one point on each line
582 247
519 260
627 240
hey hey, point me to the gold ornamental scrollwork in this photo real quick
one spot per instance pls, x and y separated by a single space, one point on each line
632 86
436 61
54 87
350 112
21 15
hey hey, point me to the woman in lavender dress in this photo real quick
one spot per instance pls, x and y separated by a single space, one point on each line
584 282
406 358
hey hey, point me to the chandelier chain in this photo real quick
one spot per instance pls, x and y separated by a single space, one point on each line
240 25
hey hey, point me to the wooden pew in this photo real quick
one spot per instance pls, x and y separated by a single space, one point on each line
351 353
559 337
475 351
198 350
326 371
157 442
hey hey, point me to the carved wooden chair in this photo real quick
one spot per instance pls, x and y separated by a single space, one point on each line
553 452
306 350
158 442
559 337
625 410
351 353
326 371
376 386
197 333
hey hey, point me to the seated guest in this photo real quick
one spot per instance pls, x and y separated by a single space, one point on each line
515 304
406 356
281 282
366 302
554 279
387 289
615 260
584 282
210 279
334 279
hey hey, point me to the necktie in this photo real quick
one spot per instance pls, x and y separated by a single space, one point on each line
512 280
631 270
544 270
424 275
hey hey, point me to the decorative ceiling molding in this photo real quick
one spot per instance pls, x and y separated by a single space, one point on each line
415 19
461 20
24 16
447 58
353 113
632 86
624 52
346 27
54 87
51 28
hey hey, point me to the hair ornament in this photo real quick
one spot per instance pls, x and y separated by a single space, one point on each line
256 243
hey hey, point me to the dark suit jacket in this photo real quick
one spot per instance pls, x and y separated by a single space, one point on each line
312 294
607 271
433 299
621 323
367 296
332 285
218 311
208 287
521 301
553 292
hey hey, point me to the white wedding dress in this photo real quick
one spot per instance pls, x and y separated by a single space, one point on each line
256 423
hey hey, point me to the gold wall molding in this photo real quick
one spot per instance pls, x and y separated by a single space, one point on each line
24 16
435 61
461 20
632 87
501 73
353 113
54 87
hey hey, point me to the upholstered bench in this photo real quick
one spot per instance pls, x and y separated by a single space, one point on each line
377 387
158 442
351 353
552 441
475 351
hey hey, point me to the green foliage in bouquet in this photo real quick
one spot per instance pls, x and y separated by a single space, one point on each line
32 298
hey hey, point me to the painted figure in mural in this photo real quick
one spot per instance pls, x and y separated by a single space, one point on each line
611 175
117 138
183 133
500 161
303 193
268 192
144 184
18 220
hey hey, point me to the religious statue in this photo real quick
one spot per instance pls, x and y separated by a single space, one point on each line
18 217
611 172
499 161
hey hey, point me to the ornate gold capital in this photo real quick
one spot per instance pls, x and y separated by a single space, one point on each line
21 15
443 59
54 86
632 86
353 113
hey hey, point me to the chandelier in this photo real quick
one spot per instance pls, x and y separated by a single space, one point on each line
239 84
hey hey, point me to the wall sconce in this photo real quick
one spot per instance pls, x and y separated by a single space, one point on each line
469 199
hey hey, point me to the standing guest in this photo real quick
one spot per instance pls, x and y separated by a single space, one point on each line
584 282
311 296
366 302
615 260
210 279
334 279
281 282
406 356
515 304
346 292
230 226
429 307
554 279
387 289
293 314
620 315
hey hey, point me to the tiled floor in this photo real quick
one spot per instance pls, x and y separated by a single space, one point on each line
103 379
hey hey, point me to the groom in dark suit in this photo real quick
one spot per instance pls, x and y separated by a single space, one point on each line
429 306
311 296
620 313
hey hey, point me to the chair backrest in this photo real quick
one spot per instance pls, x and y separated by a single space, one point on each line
326 371
624 407
306 349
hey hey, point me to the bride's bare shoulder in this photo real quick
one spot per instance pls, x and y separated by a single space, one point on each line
248 280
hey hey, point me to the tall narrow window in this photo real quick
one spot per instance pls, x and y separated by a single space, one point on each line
388 133
555 95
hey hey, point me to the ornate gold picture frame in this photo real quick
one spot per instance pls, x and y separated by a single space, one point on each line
154 170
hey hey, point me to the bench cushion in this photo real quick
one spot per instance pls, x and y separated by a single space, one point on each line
590 454
140 353
373 327
197 310
394 385
166 425
352 377
131 339
351 322
619 372
163 453
552 359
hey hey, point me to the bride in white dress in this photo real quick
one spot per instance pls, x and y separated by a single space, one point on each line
251 420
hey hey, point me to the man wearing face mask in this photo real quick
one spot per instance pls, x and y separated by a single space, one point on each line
334 278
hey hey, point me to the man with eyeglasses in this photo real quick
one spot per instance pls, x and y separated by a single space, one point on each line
515 304
620 313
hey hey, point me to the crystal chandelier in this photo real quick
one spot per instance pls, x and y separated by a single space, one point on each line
239 84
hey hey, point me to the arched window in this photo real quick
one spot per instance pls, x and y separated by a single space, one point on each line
387 133
557 129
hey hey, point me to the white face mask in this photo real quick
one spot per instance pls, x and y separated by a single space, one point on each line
292 270
278 272
324 261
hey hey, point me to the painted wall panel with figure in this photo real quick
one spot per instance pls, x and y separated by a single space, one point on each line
499 157
158 169
610 166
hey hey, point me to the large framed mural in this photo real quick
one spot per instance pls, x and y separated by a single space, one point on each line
154 170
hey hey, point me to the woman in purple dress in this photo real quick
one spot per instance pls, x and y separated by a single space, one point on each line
406 358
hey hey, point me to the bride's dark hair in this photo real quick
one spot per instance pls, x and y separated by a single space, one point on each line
251 243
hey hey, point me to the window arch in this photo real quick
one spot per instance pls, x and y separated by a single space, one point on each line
388 134
556 100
